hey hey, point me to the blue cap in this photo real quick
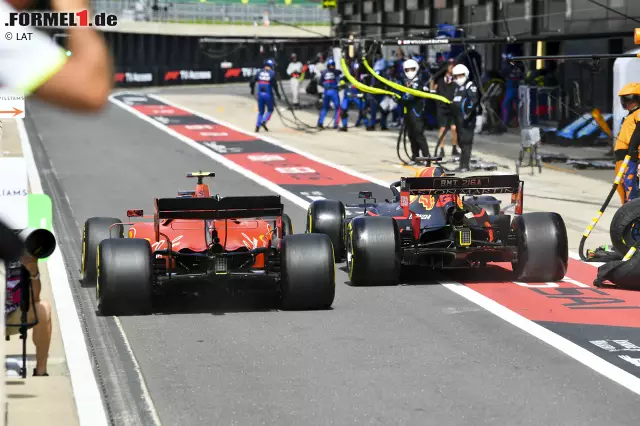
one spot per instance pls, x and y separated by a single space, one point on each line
270 63
331 62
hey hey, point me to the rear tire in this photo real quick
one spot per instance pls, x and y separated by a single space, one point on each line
373 251
543 249
95 230
287 226
124 277
625 223
327 217
308 272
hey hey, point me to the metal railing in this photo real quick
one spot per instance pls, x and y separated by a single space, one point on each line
213 13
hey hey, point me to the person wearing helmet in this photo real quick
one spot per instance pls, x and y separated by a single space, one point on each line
294 71
265 81
329 80
353 96
413 110
464 106
628 141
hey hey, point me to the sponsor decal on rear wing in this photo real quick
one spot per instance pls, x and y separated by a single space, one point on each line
473 185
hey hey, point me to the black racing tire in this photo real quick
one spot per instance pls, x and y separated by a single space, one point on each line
308 272
327 217
625 222
287 226
543 248
125 277
373 251
95 230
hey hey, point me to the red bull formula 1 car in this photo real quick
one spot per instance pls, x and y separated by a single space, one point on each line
213 240
441 221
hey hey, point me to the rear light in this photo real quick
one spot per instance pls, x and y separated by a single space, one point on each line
220 265
465 237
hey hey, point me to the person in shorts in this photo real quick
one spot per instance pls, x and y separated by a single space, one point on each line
446 87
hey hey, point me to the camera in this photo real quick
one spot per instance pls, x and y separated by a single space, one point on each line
39 243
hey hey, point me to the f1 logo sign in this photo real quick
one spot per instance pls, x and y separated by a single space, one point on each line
171 75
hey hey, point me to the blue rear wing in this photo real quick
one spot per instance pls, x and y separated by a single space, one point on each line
472 185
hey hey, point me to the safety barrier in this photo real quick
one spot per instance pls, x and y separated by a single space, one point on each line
214 13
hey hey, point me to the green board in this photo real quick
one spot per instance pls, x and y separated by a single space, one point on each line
40 212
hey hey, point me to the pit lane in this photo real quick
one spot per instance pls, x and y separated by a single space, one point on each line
413 354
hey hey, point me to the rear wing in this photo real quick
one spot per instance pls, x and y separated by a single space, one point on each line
224 208
472 185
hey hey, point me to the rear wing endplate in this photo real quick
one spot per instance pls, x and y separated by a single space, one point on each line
224 208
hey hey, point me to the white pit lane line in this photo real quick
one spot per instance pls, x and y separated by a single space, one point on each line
571 349
85 388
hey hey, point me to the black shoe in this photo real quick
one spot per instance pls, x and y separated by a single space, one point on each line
343 129
384 128
320 126
39 375
264 126
370 129
441 153
455 151
257 129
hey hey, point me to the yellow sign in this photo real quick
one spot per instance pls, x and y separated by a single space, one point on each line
636 36
329 4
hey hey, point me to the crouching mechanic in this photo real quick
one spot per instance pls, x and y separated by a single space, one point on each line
27 269
352 96
329 80
628 141
464 107
265 80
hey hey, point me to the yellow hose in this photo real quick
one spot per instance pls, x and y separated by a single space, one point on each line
401 88
363 87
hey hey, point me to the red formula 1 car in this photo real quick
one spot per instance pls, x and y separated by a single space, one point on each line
206 239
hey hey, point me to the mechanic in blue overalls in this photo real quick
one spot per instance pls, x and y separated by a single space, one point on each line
374 100
329 79
265 80
513 73
353 96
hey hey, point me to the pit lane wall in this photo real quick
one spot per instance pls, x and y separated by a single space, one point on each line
183 56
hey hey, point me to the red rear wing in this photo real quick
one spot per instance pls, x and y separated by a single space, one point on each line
223 208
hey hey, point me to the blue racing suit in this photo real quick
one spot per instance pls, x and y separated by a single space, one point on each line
329 79
352 96
513 74
265 82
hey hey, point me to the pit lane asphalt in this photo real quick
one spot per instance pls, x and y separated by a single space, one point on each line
412 354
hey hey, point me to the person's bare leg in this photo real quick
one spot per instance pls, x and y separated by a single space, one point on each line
42 336
454 136
441 139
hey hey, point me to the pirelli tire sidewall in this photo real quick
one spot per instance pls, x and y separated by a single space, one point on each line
327 217
287 226
308 274
95 230
622 226
125 281
374 251
543 248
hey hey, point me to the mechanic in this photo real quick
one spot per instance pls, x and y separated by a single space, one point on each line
329 80
17 272
513 73
374 99
294 71
464 106
628 141
265 79
352 96
446 87
413 109
40 67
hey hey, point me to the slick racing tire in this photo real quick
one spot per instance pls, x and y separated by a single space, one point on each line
124 277
95 230
625 226
373 251
287 226
327 217
543 249
308 272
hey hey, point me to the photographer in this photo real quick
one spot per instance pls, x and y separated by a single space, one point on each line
40 67
18 273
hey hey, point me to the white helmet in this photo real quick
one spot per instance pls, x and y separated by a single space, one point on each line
460 74
410 68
